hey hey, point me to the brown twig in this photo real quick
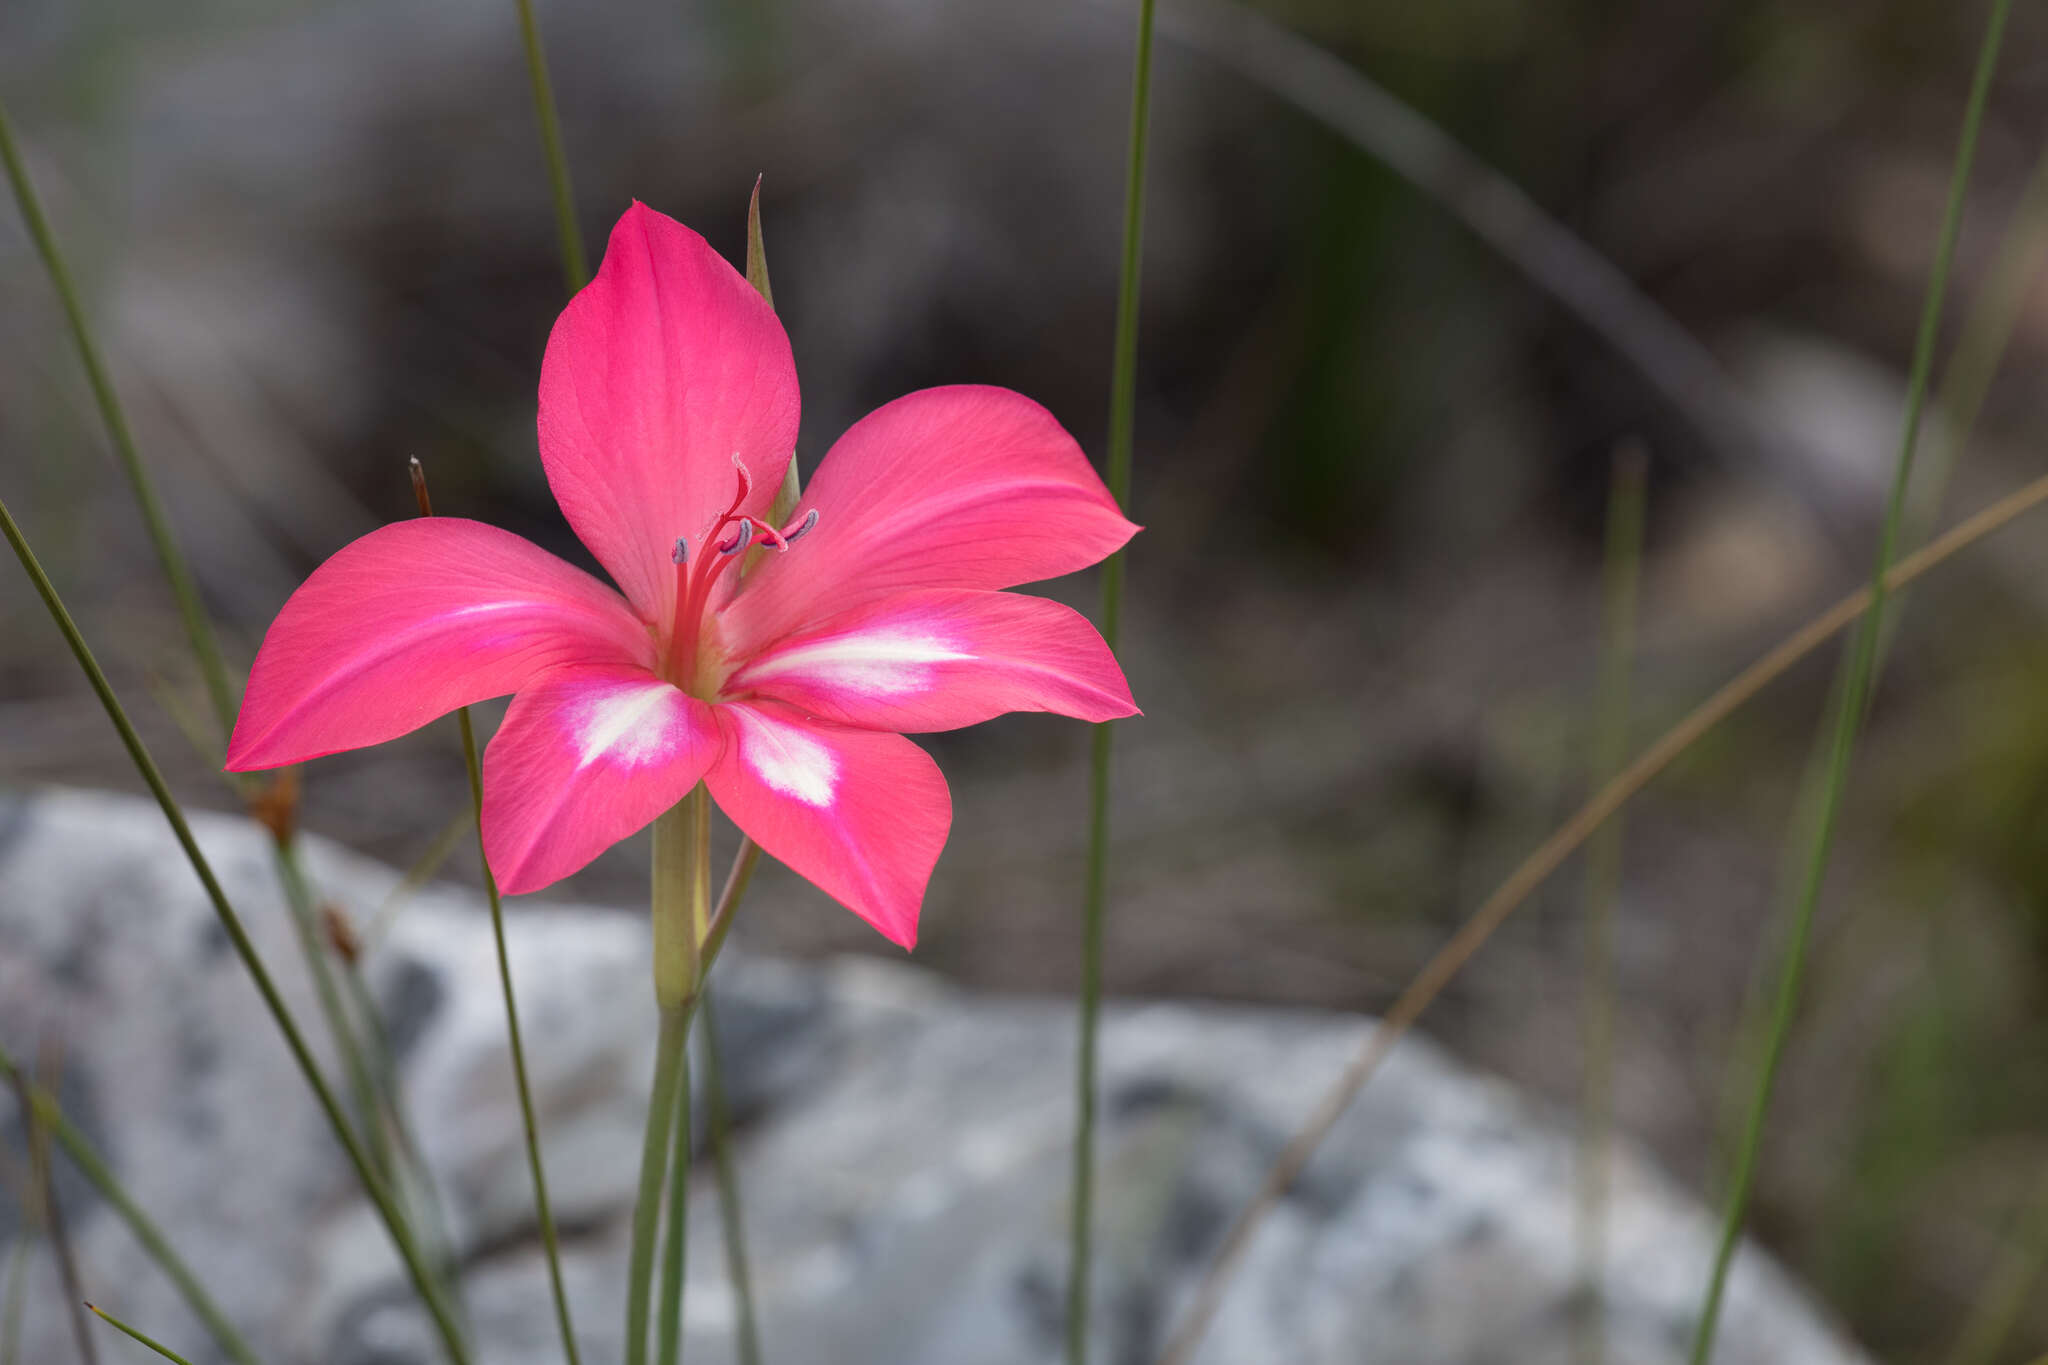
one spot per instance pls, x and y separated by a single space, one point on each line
1538 866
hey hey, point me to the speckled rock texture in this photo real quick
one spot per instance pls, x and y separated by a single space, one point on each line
903 1147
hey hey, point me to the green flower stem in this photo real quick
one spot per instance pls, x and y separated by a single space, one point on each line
575 268
676 1255
1860 671
731 1212
176 572
1625 507
542 1209
1122 412
103 1180
152 1343
681 898
245 948
654 1156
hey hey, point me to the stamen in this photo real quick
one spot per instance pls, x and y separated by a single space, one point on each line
681 554
790 536
739 542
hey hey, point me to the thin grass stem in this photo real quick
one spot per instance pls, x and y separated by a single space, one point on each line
1534 870
1123 389
2009 1290
1621 571
575 267
1856 689
550 1241
145 1230
305 919
731 1212
416 876
151 1342
433 1219
10 1309
198 629
245 948
50 1211
529 1125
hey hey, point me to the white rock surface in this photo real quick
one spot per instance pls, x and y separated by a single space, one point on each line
903 1147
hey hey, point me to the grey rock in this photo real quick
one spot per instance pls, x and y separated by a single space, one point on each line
903 1147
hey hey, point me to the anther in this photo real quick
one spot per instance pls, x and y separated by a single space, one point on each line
739 542
681 553
802 529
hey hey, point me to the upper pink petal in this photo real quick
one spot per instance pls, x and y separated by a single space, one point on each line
658 373
961 487
940 659
412 621
587 756
860 813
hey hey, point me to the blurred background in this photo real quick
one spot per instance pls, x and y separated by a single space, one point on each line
1378 410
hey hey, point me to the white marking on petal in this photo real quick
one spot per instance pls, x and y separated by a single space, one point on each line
877 663
632 725
788 760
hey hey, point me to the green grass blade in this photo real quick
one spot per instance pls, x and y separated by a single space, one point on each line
2008 1292
575 266
176 572
731 1211
10 1309
1855 691
543 1210
151 1238
1123 388
1625 509
245 948
151 1342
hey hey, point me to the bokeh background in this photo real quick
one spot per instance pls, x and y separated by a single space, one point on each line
1373 455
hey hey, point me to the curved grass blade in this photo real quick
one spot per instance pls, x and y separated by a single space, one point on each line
575 268
198 629
1535 869
1858 680
1123 389
151 1342
10 1309
529 1125
1625 504
151 1237
245 948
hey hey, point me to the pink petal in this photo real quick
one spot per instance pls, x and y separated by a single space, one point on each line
860 813
412 621
661 371
585 757
940 659
963 487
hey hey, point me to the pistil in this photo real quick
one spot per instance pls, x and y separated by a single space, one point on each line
694 580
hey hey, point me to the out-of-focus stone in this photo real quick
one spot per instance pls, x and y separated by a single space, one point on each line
904 1147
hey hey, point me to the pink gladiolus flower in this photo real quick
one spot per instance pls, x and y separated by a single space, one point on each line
668 413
